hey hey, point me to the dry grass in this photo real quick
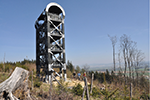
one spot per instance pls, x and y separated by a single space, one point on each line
42 93
31 66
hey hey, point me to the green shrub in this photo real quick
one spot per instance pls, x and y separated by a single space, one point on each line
145 96
104 92
63 86
37 82
107 94
128 98
1 66
95 92
30 77
8 67
3 77
24 67
78 90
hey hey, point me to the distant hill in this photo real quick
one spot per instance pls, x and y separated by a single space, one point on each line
100 67
109 66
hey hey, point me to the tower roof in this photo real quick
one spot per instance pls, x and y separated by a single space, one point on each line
55 8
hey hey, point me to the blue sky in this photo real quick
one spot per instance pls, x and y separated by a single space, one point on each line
87 24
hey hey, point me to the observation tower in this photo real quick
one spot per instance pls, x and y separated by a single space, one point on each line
50 41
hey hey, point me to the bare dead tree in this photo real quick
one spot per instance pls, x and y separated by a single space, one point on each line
119 61
113 41
128 48
86 67
123 45
137 58
132 64
132 56
4 62
131 49
120 68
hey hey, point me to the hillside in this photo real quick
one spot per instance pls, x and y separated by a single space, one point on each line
104 85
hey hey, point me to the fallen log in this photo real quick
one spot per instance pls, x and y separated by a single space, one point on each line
18 80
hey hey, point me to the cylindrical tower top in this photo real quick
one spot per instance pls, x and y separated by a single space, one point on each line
55 8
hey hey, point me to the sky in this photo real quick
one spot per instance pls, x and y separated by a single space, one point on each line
87 25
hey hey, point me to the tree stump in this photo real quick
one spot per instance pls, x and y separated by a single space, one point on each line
16 82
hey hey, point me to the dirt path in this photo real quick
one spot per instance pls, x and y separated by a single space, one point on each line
70 82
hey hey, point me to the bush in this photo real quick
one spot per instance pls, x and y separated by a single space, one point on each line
3 77
78 90
63 86
37 82
1 66
95 92
24 67
7 67
30 77
145 96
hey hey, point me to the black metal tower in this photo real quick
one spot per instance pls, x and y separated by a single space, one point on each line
50 41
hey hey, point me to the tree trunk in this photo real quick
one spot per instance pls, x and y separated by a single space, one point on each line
125 65
16 82
92 83
86 90
114 58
